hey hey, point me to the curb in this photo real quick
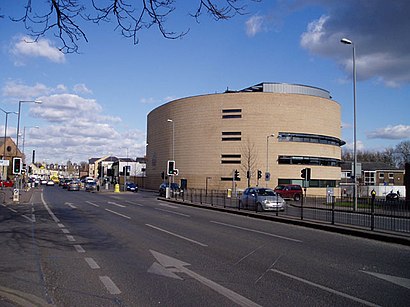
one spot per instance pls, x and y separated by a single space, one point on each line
352 231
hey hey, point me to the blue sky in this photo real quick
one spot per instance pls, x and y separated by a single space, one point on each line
95 102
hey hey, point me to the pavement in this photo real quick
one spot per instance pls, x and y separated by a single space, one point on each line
7 196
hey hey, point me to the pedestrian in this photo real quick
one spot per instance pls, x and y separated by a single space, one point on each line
398 194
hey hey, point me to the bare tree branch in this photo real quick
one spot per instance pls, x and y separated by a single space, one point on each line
64 17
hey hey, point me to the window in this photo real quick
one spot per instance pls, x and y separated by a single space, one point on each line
231 159
231 136
231 113
309 138
296 160
391 176
381 176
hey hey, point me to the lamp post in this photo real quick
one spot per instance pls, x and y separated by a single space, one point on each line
349 42
173 142
5 136
267 157
24 137
18 119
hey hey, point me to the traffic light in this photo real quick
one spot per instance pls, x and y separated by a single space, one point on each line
308 171
303 173
236 176
170 167
259 174
17 166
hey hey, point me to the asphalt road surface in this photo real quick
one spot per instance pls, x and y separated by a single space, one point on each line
69 248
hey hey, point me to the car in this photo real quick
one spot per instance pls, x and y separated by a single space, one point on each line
132 187
50 183
174 188
74 185
261 199
43 181
6 183
65 182
291 191
392 196
91 186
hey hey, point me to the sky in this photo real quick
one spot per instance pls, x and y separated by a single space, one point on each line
95 102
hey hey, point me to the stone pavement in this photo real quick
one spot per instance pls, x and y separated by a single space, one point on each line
6 196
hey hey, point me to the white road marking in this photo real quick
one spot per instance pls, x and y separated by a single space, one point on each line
60 225
133 203
166 205
115 204
173 212
70 238
174 266
92 263
70 205
95 205
325 288
65 230
79 249
127 217
49 210
176 235
257 231
401 281
109 284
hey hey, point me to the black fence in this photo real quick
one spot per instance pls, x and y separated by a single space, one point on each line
371 214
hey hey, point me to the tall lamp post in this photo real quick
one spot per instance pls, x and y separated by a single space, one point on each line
18 119
5 136
349 42
267 157
24 137
173 142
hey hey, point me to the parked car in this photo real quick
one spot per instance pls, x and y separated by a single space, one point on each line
6 183
392 196
261 199
292 191
132 187
174 188
91 186
74 185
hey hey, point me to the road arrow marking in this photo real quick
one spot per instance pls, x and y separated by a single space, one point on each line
70 205
174 265
401 281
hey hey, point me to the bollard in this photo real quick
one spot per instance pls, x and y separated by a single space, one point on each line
117 188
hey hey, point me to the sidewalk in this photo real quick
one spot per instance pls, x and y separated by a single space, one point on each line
6 196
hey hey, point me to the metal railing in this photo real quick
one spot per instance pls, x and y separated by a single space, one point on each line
371 214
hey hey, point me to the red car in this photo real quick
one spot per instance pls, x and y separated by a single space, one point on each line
293 191
6 183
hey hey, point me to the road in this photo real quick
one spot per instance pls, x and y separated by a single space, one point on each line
130 249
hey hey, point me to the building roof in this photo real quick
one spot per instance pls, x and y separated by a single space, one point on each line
285 88
370 166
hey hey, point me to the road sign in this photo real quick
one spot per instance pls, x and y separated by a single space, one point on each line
267 176
4 163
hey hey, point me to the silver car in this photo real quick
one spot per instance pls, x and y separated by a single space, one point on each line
261 199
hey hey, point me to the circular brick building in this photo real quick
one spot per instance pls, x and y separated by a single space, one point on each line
278 129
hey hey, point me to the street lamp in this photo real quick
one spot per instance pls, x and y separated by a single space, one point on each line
267 157
349 42
18 119
173 142
5 136
24 137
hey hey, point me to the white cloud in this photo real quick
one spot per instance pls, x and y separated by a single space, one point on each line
254 25
25 46
359 146
391 132
377 30
18 90
82 89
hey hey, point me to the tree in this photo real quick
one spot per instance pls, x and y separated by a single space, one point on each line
402 153
249 157
64 18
